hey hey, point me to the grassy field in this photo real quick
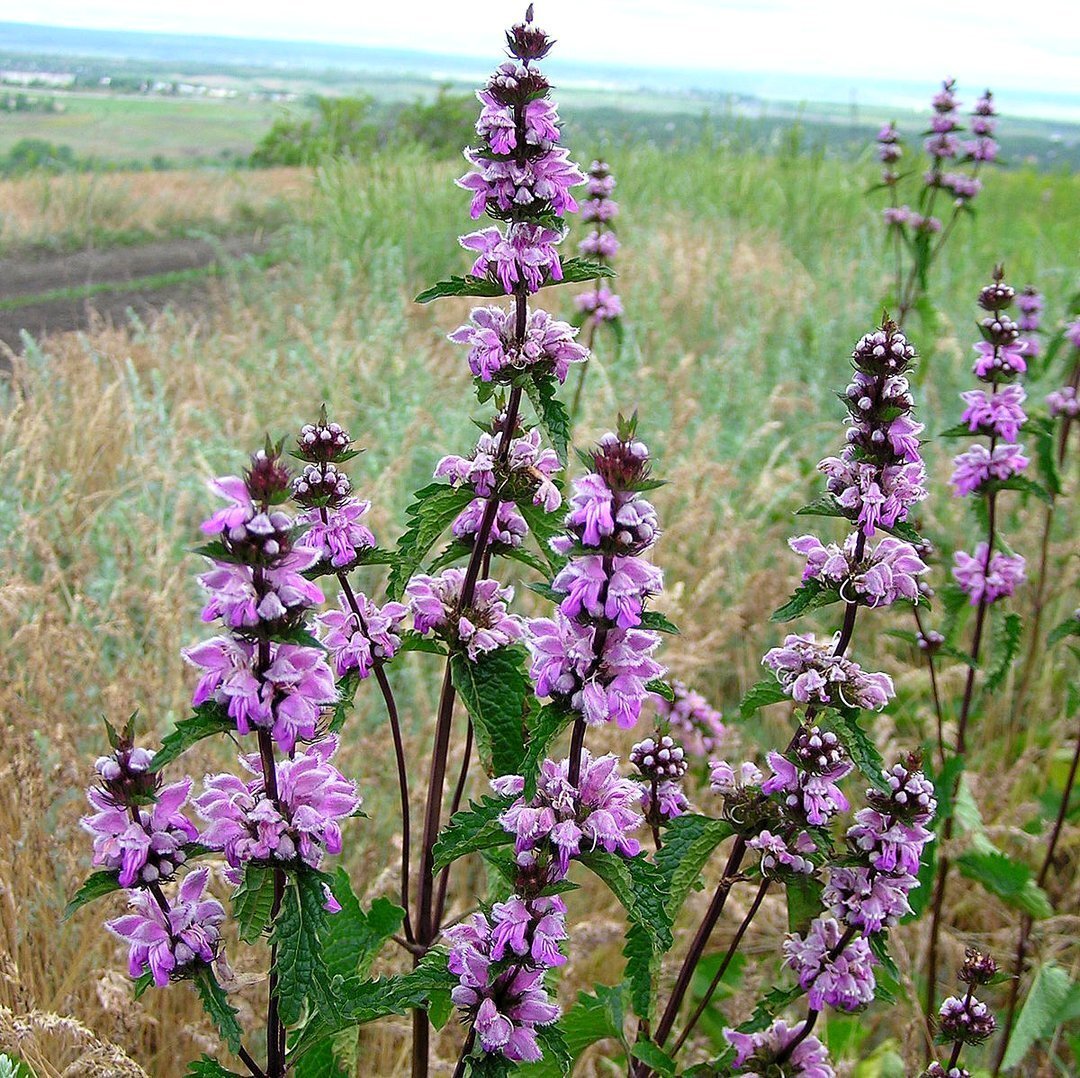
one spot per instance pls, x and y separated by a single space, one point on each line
746 280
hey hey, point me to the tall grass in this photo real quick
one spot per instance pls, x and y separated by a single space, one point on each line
750 278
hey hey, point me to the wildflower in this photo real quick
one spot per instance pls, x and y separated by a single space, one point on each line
887 573
299 825
727 780
757 1053
602 304
890 844
173 944
842 979
340 538
484 626
524 256
360 643
780 857
866 899
998 415
967 1020
699 725
988 577
978 465
1063 402
811 672
810 789
1072 333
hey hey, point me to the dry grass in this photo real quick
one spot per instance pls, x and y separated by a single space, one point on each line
95 209
105 438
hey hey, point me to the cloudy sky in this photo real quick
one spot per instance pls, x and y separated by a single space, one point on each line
1035 44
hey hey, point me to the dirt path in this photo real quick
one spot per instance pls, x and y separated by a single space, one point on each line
32 276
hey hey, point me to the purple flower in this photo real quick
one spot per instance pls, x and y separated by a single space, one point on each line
301 685
483 626
169 945
599 245
969 1020
844 980
999 415
341 538
996 361
670 800
897 216
756 1053
780 857
875 496
535 183
145 850
866 899
618 593
988 581
891 844
1072 333
1063 402
814 796
300 825
979 465
810 672
356 646
727 780
699 725
601 303
242 599
565 821
534 928
494 349
887 573
526 255
599 209
237 513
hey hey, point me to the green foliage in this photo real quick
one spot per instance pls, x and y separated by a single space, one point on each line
810 596
655 1057
341 126
558 1060
303 977
653 619
431 512
551 412
596 1016
252 902
765 692
1043 430
1008 879
862 750
346 688
661 688
803 901
353 938
208 719
1069 627
1042 1013
320 1062
1004 649
689 842
825 506
97 885
470 830
1022 484
542 527
207 1067
545 725
442 126
216 1004
496 693
575 271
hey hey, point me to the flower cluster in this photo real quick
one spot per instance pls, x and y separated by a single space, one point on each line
884 575
564 820
361 638
996 412
524 474
835 970
594 653
879 475
601 244
812 673
1063 403
486 624
699 725
806 778
247 824
887 839
760 1054
661 762
1030 303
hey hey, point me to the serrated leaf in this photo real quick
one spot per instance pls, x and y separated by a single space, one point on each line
252 902
551 412
208 1067
764 693
803 901
579 270
544 726
1069 627
346 699
216 1004
961 430
653 619
810 596
544 526
1022 484
862 750
430 513
496 693
97 885
655 1058
557 1061
879 947
472 829
661 688
595 1017
1003 652
208 719
824 506
1008 879
461 286
354 937
1041 1013
302 973
1044 431
689 842
411 640
320 1062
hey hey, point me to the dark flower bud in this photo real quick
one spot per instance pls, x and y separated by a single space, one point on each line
978 968
967 1020
322 441
321 486
526 41
659 757
817 751
268 477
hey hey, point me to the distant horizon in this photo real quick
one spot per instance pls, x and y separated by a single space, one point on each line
775 83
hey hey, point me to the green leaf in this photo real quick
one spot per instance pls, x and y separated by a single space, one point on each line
551 412
302 972
1022 484
430 513
1044 431
1069 627
544 727
461 286
470 830
1008 879
496 693
656 1058
810 596
208 719
520 554
557 1061
346 699
961 430
579 270
252 902
321 1062
762 695
1041 1013
353 938
216 1004
653 619
661 688
824 506
207 1067
1003 651
141 983
803 901
862 750
411 640
689 842
595 1017
97 885
543 526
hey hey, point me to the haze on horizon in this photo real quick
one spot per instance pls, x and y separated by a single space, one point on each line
1033 47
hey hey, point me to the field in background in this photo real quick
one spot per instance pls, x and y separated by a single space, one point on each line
746 280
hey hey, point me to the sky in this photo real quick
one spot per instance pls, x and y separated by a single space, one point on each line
1029 45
